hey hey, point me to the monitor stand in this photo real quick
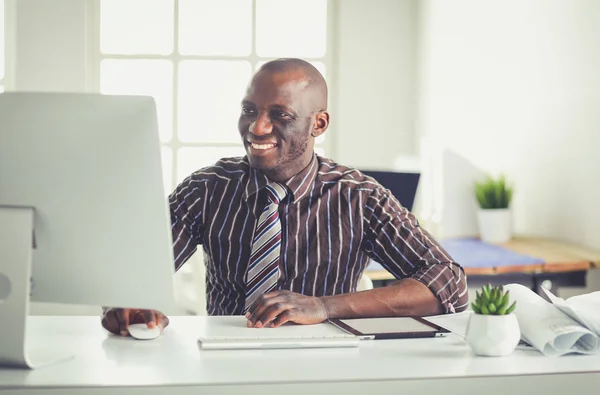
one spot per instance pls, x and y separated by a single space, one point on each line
16 246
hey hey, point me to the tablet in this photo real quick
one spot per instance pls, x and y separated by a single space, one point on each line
390 327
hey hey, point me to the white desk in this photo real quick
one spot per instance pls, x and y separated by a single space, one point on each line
174 364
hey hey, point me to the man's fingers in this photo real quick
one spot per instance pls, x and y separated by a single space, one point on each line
150 318
123 319
261 301
263 313
162 320
257 309
273 312
117 320
110 322
273 294
282 318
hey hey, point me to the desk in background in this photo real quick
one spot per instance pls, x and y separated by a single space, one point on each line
173 364
532 262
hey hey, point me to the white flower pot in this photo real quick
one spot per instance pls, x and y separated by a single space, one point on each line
495 225
493 335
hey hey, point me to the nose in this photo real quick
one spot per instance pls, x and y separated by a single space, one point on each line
261 126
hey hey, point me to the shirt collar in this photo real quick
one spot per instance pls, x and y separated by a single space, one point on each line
299 185
257 180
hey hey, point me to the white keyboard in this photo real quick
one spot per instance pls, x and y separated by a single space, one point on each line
270 342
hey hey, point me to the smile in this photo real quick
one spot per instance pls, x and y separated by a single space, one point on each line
262 147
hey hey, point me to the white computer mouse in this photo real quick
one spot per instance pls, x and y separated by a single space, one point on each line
142 332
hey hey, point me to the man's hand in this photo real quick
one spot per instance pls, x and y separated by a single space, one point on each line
276 308
117 320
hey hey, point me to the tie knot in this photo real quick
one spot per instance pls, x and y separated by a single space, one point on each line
276 192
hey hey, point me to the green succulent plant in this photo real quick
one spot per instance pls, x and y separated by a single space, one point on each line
493 193
492 301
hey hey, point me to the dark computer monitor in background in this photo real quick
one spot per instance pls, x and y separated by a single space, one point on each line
402 185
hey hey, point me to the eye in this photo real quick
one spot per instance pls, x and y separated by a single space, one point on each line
247 111
281 114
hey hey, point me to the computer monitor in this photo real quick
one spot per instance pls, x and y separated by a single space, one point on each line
402 185
81 179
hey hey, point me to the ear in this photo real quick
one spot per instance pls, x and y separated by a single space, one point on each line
321 123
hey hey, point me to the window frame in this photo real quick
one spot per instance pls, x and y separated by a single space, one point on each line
7 81
174 144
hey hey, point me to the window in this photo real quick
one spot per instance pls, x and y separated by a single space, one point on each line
2 50
195 58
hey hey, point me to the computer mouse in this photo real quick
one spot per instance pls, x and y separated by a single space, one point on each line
142 332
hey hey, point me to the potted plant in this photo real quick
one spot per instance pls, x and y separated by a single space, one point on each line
493 329
494 196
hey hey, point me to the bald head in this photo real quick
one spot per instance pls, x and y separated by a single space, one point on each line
294 69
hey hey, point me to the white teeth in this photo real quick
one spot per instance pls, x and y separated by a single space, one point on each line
262 146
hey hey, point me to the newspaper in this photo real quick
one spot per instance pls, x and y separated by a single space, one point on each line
560 327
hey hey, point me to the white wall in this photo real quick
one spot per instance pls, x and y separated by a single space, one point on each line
515 89
373 110
514 86
51 45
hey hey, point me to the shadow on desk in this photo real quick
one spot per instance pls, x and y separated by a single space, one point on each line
458 352
145 352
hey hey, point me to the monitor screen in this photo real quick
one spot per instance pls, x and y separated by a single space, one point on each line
402 185
89 166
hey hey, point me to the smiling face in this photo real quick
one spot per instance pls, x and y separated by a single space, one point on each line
278 122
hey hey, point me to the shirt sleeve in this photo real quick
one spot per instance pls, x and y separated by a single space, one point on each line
396 240
186 205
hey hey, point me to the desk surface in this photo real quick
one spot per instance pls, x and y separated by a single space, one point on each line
554 256
174 360
558 256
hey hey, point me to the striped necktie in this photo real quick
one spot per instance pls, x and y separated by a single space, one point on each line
263 268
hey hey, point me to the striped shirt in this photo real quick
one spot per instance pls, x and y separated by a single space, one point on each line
333 221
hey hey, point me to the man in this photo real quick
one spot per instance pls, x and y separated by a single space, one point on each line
287 234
